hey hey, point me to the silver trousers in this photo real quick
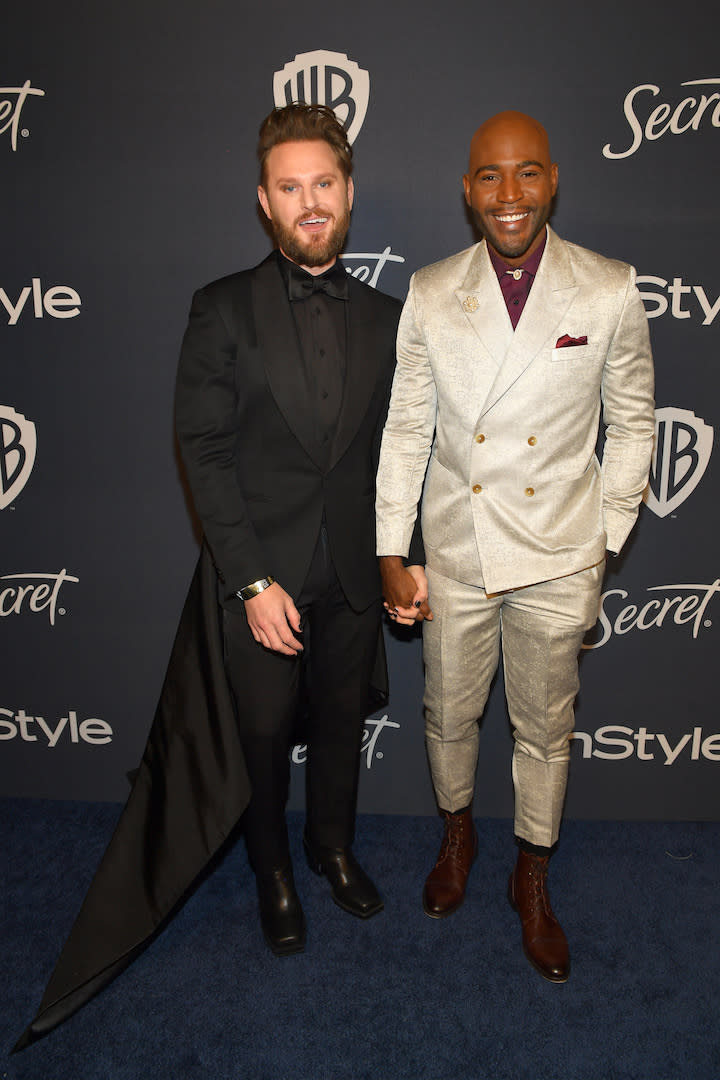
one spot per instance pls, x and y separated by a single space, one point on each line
541 628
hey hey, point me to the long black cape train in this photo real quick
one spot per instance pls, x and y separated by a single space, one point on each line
190 791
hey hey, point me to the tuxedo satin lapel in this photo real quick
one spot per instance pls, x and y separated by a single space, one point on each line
280 348
552 293
361 367
483 305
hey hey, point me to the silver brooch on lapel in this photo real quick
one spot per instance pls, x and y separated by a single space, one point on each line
470 304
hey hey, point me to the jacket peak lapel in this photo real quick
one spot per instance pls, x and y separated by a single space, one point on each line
361 366
280 348
481 300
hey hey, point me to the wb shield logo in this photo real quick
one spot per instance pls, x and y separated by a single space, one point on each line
17 453
683 444
326 78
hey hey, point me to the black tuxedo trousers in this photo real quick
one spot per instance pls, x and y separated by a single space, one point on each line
317 699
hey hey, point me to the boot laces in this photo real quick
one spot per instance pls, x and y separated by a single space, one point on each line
453 838
537 891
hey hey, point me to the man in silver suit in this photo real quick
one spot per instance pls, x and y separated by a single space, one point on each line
507 352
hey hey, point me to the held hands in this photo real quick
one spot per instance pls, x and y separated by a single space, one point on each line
274 620
405 590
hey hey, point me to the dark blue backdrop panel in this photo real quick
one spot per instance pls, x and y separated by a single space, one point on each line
127 139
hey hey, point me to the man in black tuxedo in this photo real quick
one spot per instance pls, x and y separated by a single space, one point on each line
282 393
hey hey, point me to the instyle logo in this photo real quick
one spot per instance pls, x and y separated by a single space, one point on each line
326 78
686 301
59 301
614 742
670 606
18 445
67 729
683 445
33 594
371 264
369 747
12 100
651 123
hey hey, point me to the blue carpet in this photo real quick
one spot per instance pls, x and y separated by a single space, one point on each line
400 996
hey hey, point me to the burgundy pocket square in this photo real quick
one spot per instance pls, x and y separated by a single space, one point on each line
565 341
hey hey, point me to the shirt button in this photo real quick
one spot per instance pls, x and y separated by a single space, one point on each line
529 491
532 440
477 488
479 438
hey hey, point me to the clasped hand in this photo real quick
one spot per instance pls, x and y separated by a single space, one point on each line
405 591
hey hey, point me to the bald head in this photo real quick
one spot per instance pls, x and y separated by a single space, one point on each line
510 183
508 125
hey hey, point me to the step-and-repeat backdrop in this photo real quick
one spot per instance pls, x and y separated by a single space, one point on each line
128 173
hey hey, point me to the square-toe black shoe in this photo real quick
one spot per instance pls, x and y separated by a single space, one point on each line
281 914
352 889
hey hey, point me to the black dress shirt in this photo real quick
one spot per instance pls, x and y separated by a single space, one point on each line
321 323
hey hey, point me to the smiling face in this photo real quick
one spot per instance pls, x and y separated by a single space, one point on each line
510 184
308 199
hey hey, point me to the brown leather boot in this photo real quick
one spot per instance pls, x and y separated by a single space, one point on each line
444 889
543 940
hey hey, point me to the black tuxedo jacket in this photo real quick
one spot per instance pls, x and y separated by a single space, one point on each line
244 435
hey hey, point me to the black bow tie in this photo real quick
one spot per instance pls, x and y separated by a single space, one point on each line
333 282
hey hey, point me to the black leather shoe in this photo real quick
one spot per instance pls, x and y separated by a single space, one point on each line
281 915
352 889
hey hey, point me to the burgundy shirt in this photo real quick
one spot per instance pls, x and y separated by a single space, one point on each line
517 282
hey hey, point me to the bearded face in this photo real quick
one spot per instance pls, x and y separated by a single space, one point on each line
308 199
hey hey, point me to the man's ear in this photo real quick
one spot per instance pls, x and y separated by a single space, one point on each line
350 191
466 189
264 201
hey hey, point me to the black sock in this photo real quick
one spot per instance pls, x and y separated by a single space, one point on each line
534 849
